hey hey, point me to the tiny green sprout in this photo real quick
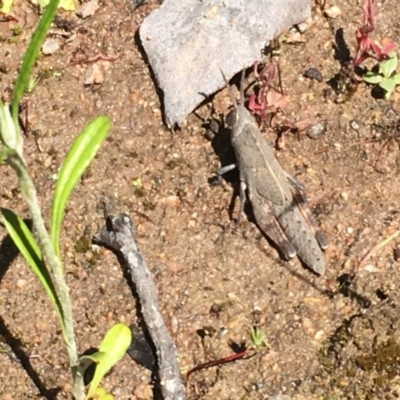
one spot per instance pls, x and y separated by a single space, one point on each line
32 82
137 183
17 30
386 78
257 338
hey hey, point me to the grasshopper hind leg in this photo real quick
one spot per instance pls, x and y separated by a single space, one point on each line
302 204
301 201
269 225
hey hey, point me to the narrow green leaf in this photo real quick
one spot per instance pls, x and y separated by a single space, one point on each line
112 349
26 244
31 56
388 86
371 77
6 6
389 66
80 155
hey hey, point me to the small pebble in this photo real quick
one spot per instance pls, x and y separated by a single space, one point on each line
143 391
222 332
116 391
191 224
21 283
396 254
50 46
313 73
349 230
303 26
316 130
354 125
279 397
371 268
308 326
94 75
319 335
88 9
333 12
171 201
295 37
258 385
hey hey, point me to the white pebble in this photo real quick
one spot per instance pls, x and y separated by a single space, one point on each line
50 46
333 12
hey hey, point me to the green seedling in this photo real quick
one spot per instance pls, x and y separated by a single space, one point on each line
137 183
386 77
257 338
17 30
112 348
43 254
366 46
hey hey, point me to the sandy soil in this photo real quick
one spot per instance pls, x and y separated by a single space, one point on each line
334 337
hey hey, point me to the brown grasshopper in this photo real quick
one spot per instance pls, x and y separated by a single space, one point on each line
278 200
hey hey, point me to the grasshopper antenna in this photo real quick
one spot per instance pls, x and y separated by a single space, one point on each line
232 97
242 88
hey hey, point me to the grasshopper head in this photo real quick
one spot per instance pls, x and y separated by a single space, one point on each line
230 118
239 116
241 119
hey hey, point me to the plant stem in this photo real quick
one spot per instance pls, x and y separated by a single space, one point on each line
29 194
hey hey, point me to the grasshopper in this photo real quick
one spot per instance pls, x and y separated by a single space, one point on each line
278 201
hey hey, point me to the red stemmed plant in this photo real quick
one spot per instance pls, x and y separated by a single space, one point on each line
366 46
266 99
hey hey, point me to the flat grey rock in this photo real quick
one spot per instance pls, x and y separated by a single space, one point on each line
188 42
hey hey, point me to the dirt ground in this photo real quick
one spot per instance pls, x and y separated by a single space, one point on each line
335 337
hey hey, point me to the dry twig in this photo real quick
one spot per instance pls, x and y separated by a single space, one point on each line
377 247
119 235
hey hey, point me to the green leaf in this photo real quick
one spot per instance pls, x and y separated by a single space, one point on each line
68 5
388 67
10 134
396 79
80 155
112 349
31 56
371 77
388 86
28 247
101 394
4 154
6 8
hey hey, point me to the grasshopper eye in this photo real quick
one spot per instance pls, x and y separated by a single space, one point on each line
230 118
